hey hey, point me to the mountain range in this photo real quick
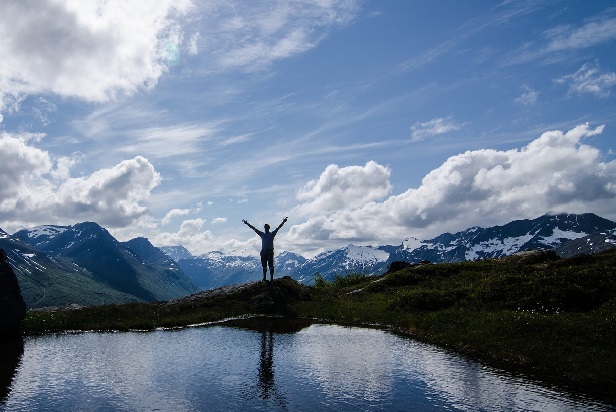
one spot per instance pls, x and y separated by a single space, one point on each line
215 269
85 264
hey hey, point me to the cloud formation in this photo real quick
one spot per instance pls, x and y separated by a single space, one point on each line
528 97
564 39
198 240
589 79
344 188
90 50
252 35
593 32
434 127
36 189
554 173
172 214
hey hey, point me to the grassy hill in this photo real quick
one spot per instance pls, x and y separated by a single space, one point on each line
550 318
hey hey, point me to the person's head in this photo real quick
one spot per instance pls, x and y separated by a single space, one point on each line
267 227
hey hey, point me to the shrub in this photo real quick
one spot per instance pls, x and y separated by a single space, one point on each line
320 282
426 300
547 292
349 279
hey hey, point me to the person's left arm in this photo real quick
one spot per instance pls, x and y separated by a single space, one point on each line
281 224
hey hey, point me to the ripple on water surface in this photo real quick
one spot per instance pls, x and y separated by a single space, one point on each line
320 367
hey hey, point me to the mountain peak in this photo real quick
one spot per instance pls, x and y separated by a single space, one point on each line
176 252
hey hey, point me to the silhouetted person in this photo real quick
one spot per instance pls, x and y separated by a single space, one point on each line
267 246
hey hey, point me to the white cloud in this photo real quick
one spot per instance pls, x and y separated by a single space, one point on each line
219 220
36 189
176 140
528 97
192 236
587 35
193 47
172 214
90 50
252 35
554 173
19 164
344 188
588 79
563 39
436 126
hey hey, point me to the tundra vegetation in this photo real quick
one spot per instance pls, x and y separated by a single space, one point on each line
535 314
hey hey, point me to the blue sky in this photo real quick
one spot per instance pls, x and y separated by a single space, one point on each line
365 122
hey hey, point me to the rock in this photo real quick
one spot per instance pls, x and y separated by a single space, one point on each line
12 305
399 265
396 266
533 257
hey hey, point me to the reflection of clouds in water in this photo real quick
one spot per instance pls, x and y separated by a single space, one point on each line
216 368
371 364
57 364
468 385
163 370
355 362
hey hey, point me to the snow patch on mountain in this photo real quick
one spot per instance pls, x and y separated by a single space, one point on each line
365 254
46 230
497 247
176 252
412 243
558 235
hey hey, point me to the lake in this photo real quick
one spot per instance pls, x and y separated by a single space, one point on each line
261 364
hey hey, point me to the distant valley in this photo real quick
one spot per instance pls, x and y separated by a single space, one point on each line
84 264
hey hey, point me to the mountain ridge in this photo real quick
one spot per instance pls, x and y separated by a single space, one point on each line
85 264
475 243
87 256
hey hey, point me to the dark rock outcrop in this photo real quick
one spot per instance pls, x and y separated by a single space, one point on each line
399 265
12 305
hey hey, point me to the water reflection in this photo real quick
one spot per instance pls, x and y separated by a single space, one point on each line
11 351
268 327
262 364
266 365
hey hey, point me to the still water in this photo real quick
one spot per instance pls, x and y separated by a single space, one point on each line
262 365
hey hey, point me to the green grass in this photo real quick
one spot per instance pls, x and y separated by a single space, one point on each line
550 319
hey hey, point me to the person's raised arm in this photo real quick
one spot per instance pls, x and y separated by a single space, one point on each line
283 222
249 225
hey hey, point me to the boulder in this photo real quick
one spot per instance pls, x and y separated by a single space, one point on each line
12 305
399 265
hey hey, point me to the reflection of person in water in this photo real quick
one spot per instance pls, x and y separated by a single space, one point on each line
267 384
267 246
266 364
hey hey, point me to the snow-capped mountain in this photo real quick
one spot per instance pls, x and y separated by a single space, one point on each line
351 259
84 264
215 269
593 243
91 249
176 252
545 232
55 280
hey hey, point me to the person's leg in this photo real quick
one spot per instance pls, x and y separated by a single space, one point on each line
270 262
264 265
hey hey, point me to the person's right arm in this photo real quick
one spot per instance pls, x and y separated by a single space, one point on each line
250 226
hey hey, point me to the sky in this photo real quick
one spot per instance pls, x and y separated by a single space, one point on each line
365 122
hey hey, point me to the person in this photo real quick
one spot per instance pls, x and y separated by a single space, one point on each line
267 246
